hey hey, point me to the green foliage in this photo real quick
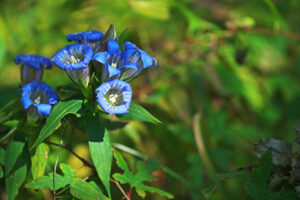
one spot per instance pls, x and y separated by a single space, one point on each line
16 165
101 149
39 160
61 181
138 113
53 121
235 62
144 173
86 191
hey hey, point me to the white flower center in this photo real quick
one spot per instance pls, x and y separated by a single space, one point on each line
114 65
73 60
37 100
113 98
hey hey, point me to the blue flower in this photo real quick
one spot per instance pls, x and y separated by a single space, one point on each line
32 67
38 98
91 38
74 59
114 96
139 57
115 63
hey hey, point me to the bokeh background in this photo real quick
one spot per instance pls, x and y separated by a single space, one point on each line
228 75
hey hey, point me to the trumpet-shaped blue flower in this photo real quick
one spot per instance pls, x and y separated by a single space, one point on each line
114 96
139 57
91 38
32 67
74 59
38 98
115 63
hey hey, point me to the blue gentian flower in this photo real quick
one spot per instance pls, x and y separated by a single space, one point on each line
115 63
32 67
91 38
139 57
38 98
74 59
114 96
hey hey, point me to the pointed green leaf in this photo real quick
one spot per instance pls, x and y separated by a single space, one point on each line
45 182
144 173
39 160
16 165
60 110
138 113
100 149
81 189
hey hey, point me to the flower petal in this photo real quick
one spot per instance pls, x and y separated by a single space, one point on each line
101 57
34 61
113 47
86 35
128 45
40 95
118 89
112 71
129 71
43 109
26 102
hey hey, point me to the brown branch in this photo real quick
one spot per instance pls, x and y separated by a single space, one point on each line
120 188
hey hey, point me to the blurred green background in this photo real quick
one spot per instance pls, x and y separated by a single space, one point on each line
228 75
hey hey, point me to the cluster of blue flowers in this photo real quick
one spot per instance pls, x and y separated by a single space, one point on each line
94 57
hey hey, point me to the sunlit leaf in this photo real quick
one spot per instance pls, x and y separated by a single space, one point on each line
137 112
81 189
60 110
39 160
44 182
101 149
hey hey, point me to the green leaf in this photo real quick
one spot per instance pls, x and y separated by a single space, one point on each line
60 110
258 188
16 165
39 160
137 112
9 133
81 189
144 173
100 149
44 182
2 155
